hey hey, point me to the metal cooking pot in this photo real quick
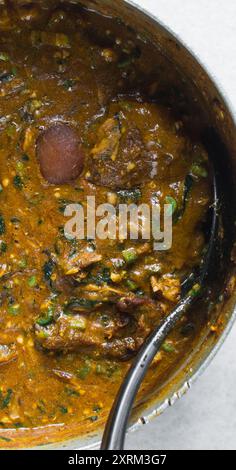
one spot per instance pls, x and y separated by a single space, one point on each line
218 115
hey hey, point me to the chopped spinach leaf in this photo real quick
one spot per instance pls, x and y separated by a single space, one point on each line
5 399
3 247
17 181
2 225
84 370
63 409
48 269
46 319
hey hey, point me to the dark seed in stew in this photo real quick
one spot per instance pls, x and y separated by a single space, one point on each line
59 153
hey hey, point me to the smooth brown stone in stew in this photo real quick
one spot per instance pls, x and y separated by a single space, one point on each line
87 111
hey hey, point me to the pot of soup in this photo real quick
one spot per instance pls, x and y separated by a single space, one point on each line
99 102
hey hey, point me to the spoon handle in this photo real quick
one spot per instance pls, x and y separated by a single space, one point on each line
114 434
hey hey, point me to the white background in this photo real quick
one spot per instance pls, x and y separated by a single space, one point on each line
206 417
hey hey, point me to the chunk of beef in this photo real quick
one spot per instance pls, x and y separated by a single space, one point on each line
119 159
130 304
168 287
75 332
79 262
113 334
71 270
8 353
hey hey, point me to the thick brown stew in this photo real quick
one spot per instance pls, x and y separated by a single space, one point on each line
83 112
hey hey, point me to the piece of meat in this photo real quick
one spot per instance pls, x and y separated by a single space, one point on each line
119 160
79 262
167 287
64 376
130 304
109 136
8 353
75 332
123 348
115 334
60 155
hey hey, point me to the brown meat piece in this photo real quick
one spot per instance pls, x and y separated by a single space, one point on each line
123 348
114 335
8 353
167 287
80 262
130 304
59 153
75 332
119 159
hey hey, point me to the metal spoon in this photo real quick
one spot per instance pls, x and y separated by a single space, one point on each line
193 288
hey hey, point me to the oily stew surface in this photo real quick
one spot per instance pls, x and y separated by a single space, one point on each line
83 113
